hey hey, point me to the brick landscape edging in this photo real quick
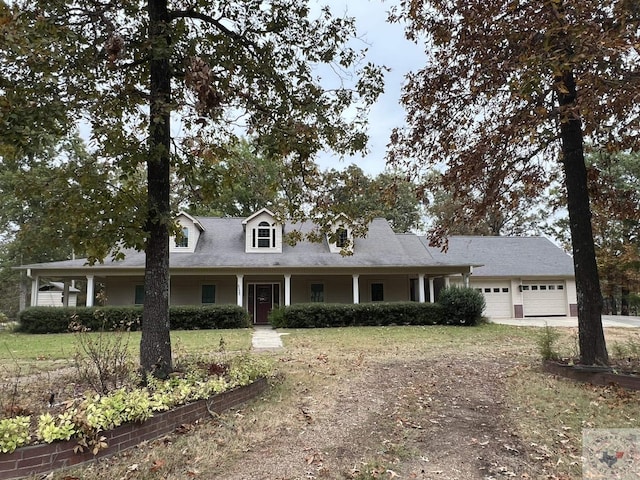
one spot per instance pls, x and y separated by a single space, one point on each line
594 376
46 457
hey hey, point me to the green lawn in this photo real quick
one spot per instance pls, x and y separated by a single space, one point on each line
52 348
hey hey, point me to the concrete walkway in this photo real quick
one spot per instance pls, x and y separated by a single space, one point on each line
265 337
607 321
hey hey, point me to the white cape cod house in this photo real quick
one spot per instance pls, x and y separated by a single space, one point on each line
248 263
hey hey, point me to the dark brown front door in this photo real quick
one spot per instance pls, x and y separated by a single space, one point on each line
264 303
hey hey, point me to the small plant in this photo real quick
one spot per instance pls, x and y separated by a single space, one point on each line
102 358
546 341
51 429
371 471
630 350
14 433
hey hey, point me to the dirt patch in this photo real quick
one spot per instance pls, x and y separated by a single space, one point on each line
428 419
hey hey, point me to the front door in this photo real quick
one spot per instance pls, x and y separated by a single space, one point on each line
262 298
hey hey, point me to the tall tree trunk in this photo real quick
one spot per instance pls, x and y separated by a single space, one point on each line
155 344
624 309
593 349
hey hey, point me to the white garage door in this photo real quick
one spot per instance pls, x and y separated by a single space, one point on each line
544 298
497 296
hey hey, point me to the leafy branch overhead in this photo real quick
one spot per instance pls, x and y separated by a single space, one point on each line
486 104
158 82
510 93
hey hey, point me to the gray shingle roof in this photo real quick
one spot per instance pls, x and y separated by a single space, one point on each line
222 245
507 256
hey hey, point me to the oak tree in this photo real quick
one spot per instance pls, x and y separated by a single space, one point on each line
363 197
510 88
159 82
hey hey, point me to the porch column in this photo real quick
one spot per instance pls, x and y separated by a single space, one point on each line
356 288
239 289
287 289
421 288
432 290
35 286
90 291
465 279
65 295
447 282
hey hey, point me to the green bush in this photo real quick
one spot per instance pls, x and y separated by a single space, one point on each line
461 306
276 317
191 317
196 317
312 315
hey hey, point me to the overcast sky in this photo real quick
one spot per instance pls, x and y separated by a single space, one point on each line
387 46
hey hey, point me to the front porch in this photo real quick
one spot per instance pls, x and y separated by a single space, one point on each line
260 292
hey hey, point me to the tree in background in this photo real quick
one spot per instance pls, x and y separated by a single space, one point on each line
141 72
48 213
511 86
614 187
360 196
443 205
237 184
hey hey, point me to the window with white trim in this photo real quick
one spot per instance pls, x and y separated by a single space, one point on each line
342 237
264 236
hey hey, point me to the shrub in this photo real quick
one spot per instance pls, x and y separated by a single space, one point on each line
312 315
276 317
197 317
189 317
546 341
461 306
102 358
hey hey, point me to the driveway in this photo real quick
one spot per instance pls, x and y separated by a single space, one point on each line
607 321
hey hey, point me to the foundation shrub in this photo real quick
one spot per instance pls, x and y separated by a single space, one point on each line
189 317
59 319
317 315
461 306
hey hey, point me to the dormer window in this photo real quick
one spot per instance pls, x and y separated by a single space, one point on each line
188 235
342 237
265 235
182 241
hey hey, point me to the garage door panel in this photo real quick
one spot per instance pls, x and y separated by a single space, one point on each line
544 298
497 297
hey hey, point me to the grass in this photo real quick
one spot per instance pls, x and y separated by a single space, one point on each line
546 413
32 353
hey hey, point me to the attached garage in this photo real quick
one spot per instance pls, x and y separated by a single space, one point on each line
497 296
545 298
518 276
